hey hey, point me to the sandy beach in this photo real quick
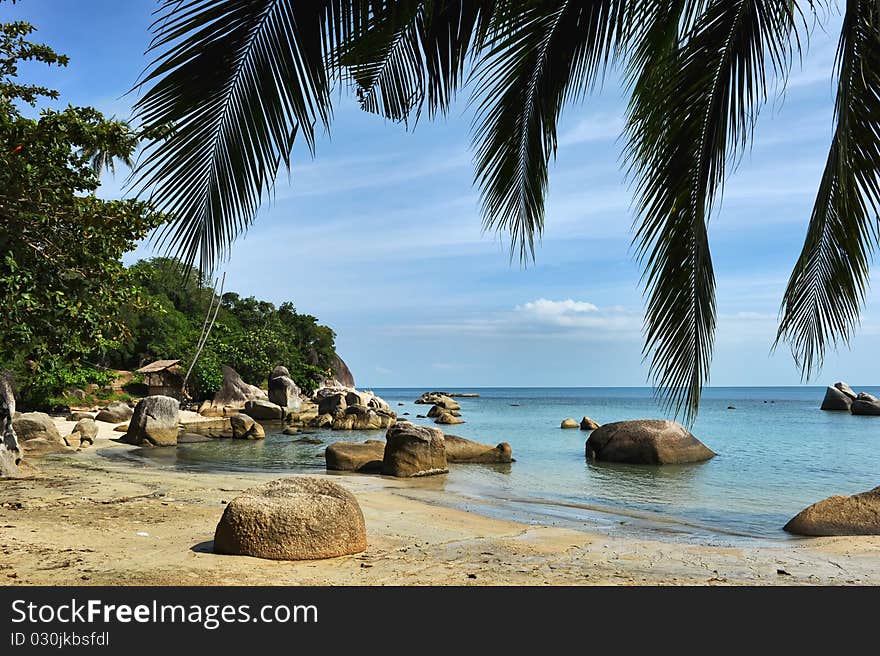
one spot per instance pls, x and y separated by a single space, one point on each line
83 519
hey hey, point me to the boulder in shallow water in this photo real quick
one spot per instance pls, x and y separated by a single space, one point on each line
588 424
245 428
462 450
412 450
156 422
266 410
448 419
364 457
846 389
835 400
115 413
569 423
83 434
858 514
439 399
333 405
297 518
646 442
865 404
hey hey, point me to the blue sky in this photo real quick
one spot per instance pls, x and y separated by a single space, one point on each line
379 236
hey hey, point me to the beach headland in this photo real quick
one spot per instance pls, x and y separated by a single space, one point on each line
83 519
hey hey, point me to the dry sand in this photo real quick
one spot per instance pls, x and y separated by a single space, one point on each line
87 520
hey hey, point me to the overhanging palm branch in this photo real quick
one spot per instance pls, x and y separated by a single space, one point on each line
827 288
543 55
238 80
693 110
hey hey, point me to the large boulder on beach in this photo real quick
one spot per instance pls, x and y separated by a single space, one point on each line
37 434
865 404
259 409
283 392
588 424
364 457
462 450
835 400
646 442
412 450
569 423
846 389
155 422
438 399
234 392
115 413
83 434
858 514
298 518
245 428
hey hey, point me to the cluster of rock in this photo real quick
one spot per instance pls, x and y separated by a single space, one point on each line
348 409
411 450
445 410
586 424
841 397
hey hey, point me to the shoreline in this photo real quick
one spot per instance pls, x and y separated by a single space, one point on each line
90 520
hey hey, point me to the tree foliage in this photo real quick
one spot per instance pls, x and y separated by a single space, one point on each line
62 282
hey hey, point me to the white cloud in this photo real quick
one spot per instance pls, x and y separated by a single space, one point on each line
598 127
562 313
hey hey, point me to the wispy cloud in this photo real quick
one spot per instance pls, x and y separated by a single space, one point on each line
597 127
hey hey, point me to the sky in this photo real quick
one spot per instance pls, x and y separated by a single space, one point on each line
379 235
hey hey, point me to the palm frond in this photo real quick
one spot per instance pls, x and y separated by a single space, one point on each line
826 291
693 109
237 80
537 58
412 52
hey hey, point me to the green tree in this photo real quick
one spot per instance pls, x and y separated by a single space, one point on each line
62 282
243 80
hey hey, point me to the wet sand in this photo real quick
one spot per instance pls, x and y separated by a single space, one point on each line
83 519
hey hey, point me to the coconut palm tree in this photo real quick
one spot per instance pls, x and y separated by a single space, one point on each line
242 80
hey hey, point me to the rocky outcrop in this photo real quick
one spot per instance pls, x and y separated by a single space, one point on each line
569 423
449 419
836 400
846 389
234 392
264 410
341 372
647 442
865 404
245 428
412 450
10 452
297 518
438 399
283 392
588 424
364 457
352 410
462 450
37 434
858 514
83 434
155 422
333 404
115 413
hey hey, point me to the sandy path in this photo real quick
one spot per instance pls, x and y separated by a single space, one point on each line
85 520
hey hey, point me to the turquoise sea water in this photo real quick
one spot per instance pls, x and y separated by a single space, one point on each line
777 453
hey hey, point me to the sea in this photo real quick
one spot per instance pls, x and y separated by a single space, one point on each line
777 453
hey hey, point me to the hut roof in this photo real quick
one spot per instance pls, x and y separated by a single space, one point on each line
158 365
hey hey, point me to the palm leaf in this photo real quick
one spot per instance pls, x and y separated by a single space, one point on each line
537 58
826 291
693 109
238 80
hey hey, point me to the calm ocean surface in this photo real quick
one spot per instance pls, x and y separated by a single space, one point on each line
777 453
